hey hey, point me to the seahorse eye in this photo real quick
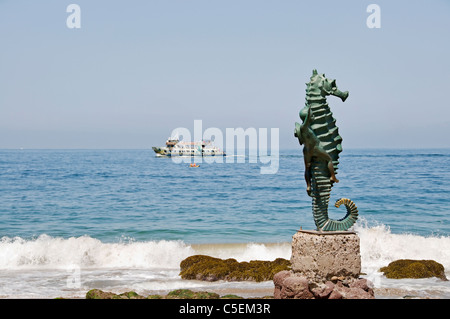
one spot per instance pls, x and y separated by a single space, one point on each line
333 85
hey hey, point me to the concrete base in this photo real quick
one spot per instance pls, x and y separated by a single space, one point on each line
323 256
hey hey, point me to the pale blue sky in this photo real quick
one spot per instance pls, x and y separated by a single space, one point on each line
138 69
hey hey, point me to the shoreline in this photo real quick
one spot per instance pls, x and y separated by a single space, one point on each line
254 293
242 289
39 270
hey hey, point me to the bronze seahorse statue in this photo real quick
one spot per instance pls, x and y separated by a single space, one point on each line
322 145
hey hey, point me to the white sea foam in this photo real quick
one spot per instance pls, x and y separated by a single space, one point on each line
246 251
41 267
47 252
44 267
379 246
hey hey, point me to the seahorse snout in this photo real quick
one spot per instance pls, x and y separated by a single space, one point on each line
342 95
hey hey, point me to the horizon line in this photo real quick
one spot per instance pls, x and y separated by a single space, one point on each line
281 148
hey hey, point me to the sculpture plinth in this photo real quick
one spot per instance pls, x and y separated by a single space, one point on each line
324 265
323 256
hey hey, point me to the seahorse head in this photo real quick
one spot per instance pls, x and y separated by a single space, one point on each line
321 84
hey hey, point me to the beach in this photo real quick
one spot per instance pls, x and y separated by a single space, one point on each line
53 267
136 135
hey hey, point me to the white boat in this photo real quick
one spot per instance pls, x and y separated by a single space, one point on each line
175 147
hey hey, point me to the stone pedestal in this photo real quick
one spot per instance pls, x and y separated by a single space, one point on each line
324 265
321 256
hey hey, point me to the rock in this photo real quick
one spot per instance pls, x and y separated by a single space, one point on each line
291 285
99 294
324 265
189 294
131 295
358 293
336 278
175 294
363 284
231 296
280 276
201 267
295 287
335 294
409 268
278 280
323 291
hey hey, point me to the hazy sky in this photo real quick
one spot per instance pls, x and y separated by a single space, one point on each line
136 70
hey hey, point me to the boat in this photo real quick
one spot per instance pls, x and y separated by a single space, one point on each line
175 147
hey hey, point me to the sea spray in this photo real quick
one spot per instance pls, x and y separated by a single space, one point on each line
379 246
246 251
39 267
86 252
42 267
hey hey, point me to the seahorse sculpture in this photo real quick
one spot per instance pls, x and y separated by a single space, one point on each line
322 145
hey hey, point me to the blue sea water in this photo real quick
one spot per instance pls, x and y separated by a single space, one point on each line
116 194
127 209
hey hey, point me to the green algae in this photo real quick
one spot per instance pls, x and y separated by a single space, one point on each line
99 294
175 294
202 267
189 294
231 296
409 268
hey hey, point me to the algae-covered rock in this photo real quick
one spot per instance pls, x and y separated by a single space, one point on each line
201 267
189 294
409 268
99 294
231 296
131 295
176 294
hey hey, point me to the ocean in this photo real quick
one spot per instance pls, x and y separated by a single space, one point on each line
121 220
